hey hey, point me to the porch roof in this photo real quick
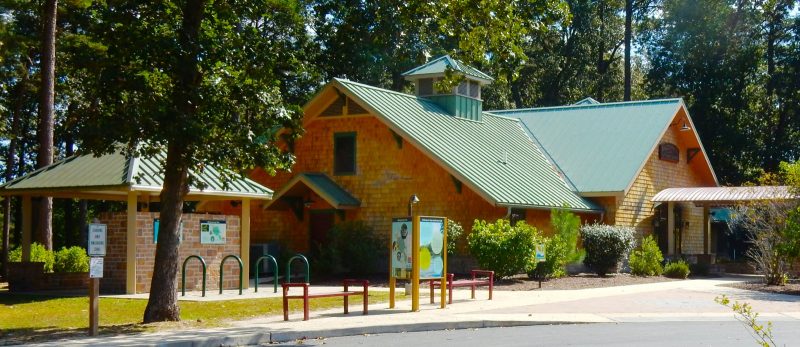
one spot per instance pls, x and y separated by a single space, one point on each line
112 176
298 187
725 194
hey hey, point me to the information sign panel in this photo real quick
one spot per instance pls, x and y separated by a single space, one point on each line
97 240
95 267
401 248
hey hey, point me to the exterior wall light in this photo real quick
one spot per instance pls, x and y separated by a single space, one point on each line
411 201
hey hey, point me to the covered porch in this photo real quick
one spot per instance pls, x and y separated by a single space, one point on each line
137 182
709 198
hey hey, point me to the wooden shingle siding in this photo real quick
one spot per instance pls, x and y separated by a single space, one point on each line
636 209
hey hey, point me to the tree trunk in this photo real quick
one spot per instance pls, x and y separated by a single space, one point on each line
162 304
628 34
19 93
71 234
46 105
83 228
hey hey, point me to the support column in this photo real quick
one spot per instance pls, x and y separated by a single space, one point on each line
27 220
670 228
130 249
245 242
706 230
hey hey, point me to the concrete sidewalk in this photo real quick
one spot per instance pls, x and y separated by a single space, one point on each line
665 301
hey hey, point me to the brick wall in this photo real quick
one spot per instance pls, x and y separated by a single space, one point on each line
636 209
115 260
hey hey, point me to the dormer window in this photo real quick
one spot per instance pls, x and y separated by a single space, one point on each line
474 90
425 86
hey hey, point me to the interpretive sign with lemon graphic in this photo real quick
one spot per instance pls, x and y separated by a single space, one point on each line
418 251
431 247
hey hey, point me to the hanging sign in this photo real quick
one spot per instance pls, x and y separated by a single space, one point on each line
97 240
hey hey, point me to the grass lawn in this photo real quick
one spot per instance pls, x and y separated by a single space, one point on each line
26 318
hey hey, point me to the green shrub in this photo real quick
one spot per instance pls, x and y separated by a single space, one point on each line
556 253
677 269
353 248
507 250
73 259
567 226
454 234
647 261
606 246
561 249
38 254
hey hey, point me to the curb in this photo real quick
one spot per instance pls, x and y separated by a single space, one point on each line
281 337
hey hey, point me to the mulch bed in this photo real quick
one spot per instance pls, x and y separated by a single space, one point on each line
577 281
522 282
789 288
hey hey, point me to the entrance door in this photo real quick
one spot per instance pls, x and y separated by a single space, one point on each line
660 228
319 225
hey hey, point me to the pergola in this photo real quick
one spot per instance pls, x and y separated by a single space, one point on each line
709 197
130 179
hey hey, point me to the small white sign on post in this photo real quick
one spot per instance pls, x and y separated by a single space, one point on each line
97 240
95 267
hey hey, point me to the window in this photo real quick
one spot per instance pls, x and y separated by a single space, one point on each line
344 154
517 215
425 87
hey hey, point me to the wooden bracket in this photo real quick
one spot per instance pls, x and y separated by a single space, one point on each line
691 153
457 183
398 139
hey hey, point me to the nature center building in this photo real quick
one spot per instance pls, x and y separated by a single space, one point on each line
366 150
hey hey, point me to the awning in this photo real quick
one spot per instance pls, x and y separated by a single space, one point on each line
320 184
723 195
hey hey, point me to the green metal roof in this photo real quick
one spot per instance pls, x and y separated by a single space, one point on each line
495 157
599 147
323 186
440 65
116 172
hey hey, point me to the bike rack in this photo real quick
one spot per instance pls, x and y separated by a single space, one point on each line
222 272
183 274
274 266
289 268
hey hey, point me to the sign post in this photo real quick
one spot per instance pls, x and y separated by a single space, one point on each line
540 257
96 251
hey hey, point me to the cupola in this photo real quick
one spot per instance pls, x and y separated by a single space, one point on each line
464 100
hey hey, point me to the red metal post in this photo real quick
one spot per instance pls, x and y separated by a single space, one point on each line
305 301
285 302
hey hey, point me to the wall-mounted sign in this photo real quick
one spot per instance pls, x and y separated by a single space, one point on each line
668 152
401 248
157 223
95 267
213 232
97 240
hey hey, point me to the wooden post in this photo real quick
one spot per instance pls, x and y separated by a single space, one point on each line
130 254
706 229
94 300
415 264
245 243
670 228
392 280
27 220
